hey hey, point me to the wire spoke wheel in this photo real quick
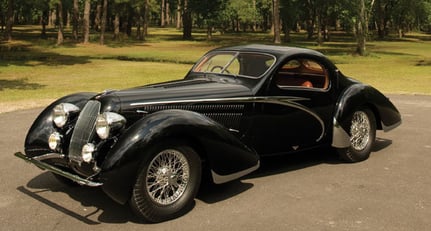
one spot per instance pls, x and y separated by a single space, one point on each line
361 126
167 182
167 177
360 130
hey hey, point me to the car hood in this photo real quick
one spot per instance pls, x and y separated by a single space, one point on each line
197 89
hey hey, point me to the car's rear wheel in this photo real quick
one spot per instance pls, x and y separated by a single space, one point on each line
167 183
362 131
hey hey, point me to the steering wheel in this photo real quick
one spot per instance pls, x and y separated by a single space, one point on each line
221 69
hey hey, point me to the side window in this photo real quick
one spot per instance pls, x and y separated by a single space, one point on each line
302 73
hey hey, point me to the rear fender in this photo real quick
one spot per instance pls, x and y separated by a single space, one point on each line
360 95
227 157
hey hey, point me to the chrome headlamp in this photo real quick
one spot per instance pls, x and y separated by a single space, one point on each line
54 141
61 113
107 123
87 152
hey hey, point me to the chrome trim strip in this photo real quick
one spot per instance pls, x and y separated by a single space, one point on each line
49 156
58 171
221 100
220 179
340 138
290 101
301 107
233 130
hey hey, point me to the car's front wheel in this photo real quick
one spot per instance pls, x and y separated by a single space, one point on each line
362 131
167 183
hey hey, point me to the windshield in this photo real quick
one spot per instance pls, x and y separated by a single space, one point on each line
247 64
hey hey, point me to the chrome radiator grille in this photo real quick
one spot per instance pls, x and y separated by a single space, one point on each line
84 130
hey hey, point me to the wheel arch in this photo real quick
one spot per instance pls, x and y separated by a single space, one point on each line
361 95
376 113
219 150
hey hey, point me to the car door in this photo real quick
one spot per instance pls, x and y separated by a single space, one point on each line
297 111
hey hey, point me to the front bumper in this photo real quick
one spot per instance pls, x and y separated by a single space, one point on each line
45 166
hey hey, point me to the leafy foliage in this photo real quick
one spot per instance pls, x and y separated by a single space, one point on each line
362 18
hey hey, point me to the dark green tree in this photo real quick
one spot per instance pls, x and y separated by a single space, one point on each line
209 12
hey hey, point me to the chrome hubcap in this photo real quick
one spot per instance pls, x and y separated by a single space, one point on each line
167 177
360 130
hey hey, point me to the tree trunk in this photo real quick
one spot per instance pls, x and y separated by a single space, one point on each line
162 13
310 28
117 27
86 21
179 15
326 33
67 19
254 17
265 23
98 16
209 33
400 32
129 22
52 18
45 16
9 20
187 21
319 30
60 36
276 21
380 18
146 18
361 29
139 34
2 21
103 22
310 12
286 31
168 14
75 20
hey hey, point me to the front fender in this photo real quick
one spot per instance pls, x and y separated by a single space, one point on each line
227 156
361 95
36 142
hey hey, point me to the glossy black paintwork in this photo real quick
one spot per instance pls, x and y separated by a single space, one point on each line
37 136
356 94
222 150
229 120
198 88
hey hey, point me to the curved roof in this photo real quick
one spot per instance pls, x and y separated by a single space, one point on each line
272 49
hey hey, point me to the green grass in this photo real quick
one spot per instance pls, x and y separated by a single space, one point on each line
393 67
35 71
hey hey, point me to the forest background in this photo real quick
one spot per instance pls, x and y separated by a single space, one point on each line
386 42
320 17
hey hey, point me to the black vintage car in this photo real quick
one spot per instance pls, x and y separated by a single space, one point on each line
149 146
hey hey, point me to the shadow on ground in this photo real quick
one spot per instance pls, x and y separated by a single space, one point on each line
19 84
24 54
111 212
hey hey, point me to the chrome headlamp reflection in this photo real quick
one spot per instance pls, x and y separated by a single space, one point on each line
54 141
109 122
62 112
87 152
